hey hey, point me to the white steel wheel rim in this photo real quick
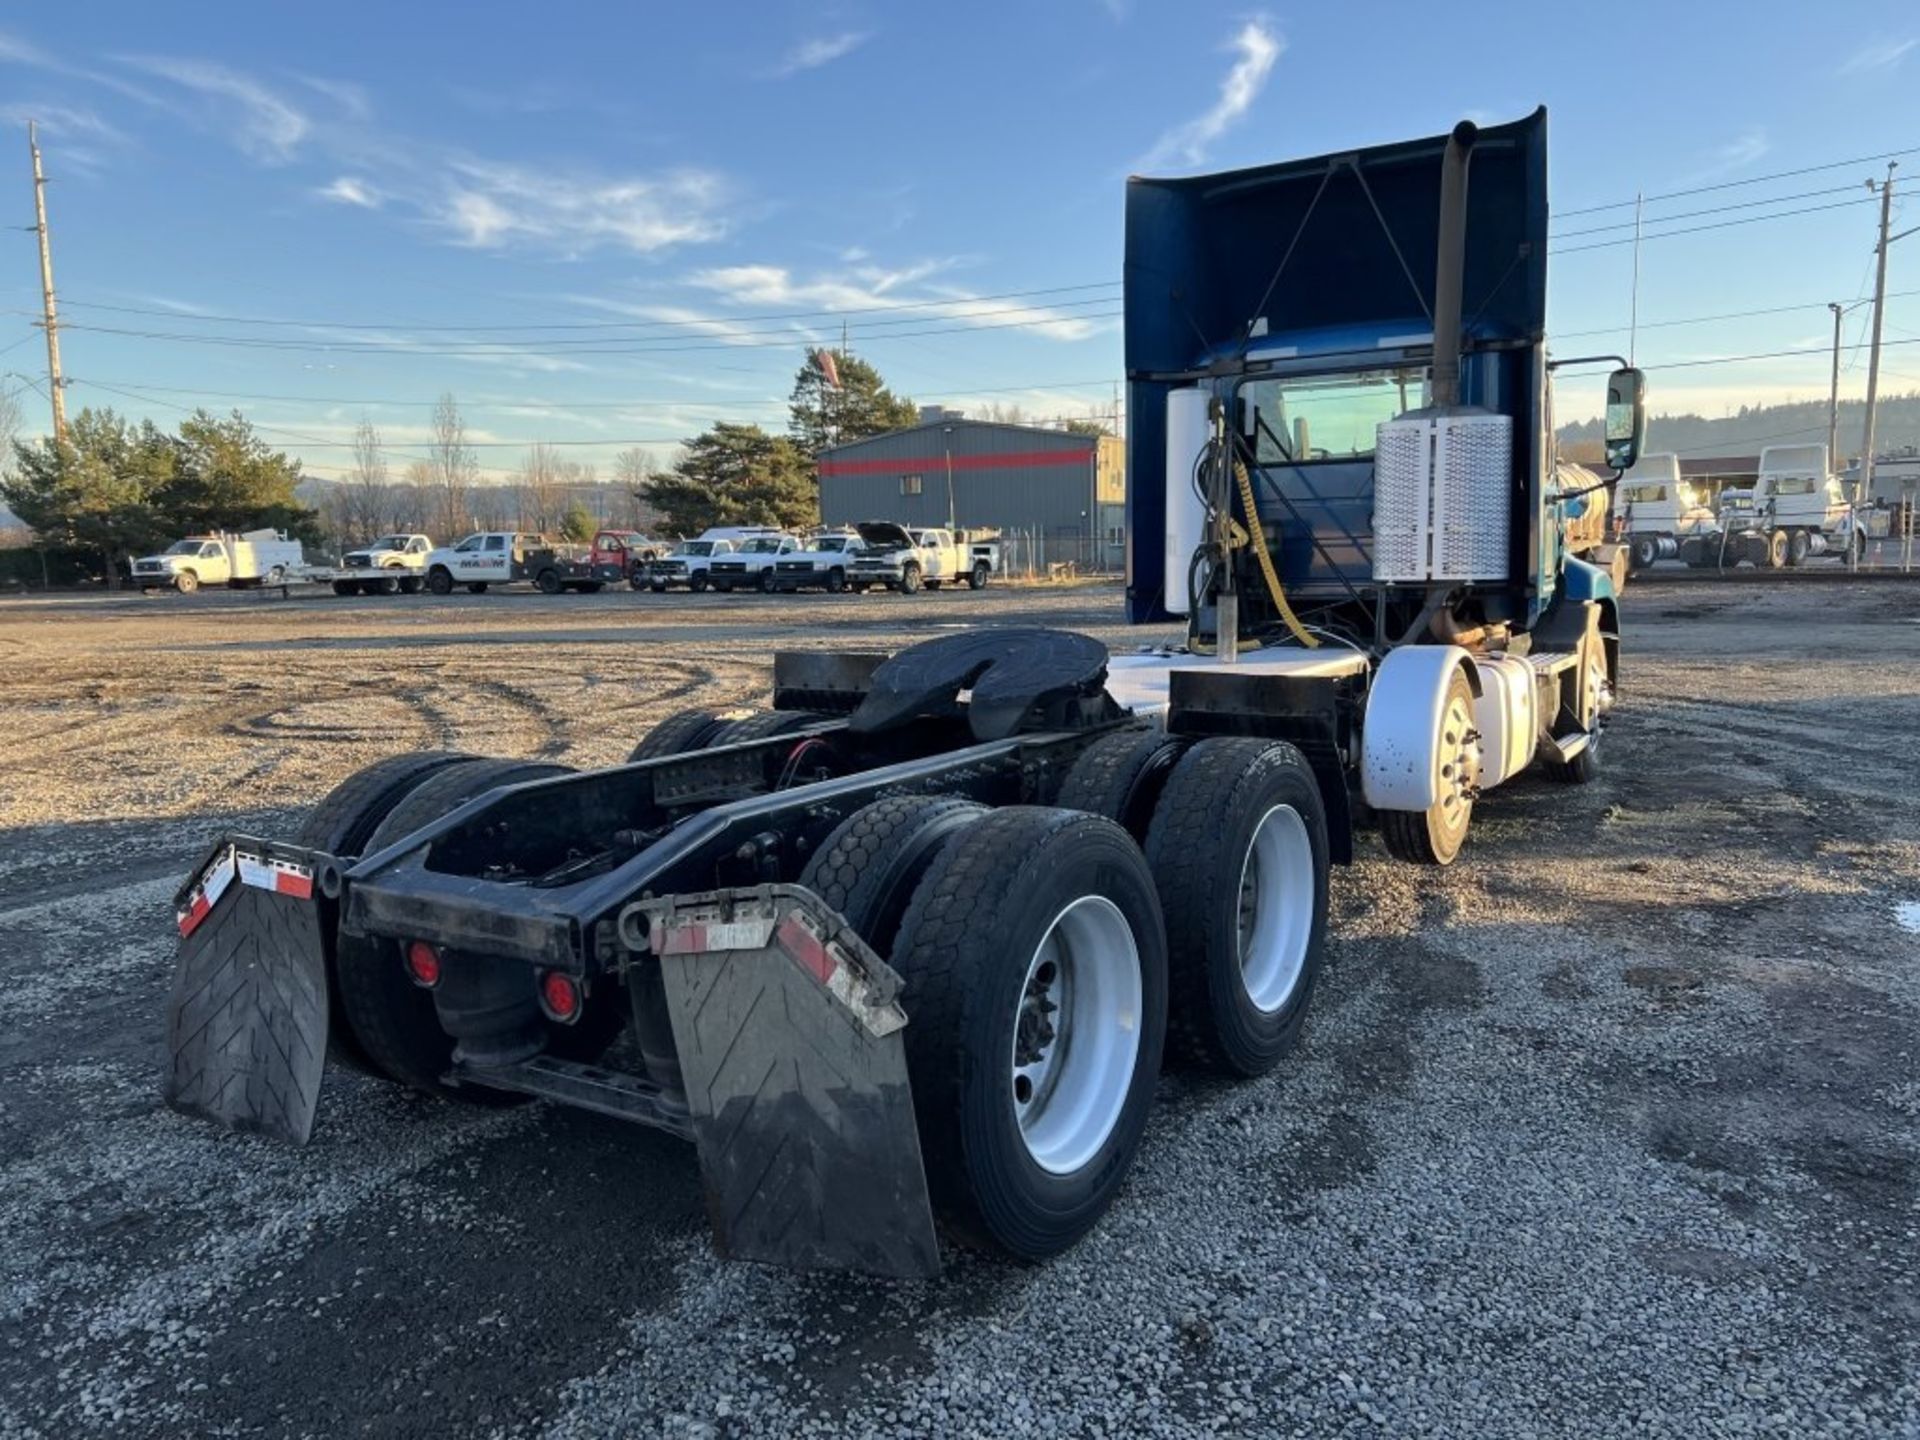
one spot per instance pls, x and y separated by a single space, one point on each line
1275 908
1076 1035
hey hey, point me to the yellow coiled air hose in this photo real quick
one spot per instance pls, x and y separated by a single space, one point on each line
1300 632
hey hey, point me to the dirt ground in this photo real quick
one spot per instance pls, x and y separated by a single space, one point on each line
1610 1127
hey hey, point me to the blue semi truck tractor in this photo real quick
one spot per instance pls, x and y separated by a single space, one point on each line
900 955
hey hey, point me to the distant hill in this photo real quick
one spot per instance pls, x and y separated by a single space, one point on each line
1743 433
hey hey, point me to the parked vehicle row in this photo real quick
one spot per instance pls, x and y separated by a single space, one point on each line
726 558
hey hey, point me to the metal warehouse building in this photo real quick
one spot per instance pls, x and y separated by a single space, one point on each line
1055 496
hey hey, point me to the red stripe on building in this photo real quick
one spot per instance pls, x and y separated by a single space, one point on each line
937 464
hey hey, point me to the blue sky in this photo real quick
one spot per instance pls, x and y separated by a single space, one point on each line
661 205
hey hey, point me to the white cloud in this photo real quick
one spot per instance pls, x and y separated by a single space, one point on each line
351 190
261 123
351 98
1881 55
492 205
66 120
1257 47
871 289
1745 148
820 50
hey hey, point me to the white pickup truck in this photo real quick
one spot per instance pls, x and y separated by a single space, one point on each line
257 557
686 564
821 565
393 564
491 557
750 567
905 560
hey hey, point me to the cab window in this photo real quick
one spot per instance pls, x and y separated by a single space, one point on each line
472 542
496 542
208 551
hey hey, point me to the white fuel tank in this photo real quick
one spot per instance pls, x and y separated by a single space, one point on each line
1505 715
1186 517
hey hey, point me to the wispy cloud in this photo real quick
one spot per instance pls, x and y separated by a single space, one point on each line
1742 150
1881 55
821 50
261 123
1256 47
351 190
15 51
65 120
870 289
493 205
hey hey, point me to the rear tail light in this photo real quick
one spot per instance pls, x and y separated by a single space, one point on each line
423 964
559 997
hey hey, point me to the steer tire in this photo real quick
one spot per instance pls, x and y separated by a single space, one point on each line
186 582
1430 836
477 587
836 581
1235 813
680 733
1121 776
868 866
341 824
698 582
910 579
970 951
344 587
392 1018
440 580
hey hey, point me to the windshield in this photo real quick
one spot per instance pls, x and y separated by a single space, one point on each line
694 547
767 546
1301 418
831 544
183 547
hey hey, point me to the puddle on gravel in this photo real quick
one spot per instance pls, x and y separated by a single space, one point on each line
1907 913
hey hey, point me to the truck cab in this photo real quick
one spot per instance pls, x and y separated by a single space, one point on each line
686 564
1795 509
1657 512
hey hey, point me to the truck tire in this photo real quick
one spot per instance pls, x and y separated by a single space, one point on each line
836 580
548 581
909 579
343 587
760 725
768 582
1776 550
341 824
1434 836
1798 548
681 733
186 582
409 584
698 582
1034 956
1584 768
440 580
387 585
1645 551
637 578
870 863
393 1019
1238 848
1121 776
477 587
977 577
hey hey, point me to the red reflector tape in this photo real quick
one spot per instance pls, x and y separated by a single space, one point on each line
206 894
281 876
805 949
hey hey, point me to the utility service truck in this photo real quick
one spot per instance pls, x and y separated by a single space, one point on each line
909 560
614 556
491 557
909 944
391 565
253 558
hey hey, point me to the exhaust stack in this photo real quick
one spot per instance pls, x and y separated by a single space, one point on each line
1450 274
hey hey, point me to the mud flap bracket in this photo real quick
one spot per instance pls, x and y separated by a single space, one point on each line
788 1029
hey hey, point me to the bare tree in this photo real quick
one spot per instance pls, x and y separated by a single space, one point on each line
418 503
367 502
455 471
9 430
633 469
541 482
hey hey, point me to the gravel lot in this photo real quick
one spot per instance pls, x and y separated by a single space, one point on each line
1610 1129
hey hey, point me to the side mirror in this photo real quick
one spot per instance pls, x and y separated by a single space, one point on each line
1626 417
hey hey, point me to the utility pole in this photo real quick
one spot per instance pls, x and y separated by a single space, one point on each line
52 315
1833 390
1864 486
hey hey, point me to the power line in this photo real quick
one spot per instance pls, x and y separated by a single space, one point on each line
1740 359
1713 210
1750 180
1686 230
1705 319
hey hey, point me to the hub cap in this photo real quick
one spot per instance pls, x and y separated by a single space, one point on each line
1459 764
1076 1036
1276 908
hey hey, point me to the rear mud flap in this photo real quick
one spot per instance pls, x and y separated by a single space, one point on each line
789 1037
247 1021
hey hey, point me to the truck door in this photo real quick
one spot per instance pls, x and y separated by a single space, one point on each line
215 567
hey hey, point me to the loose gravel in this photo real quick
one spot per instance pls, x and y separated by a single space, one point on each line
1607 1130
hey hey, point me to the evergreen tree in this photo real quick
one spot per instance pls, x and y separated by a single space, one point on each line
820 415
736 475
228 478
103 490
